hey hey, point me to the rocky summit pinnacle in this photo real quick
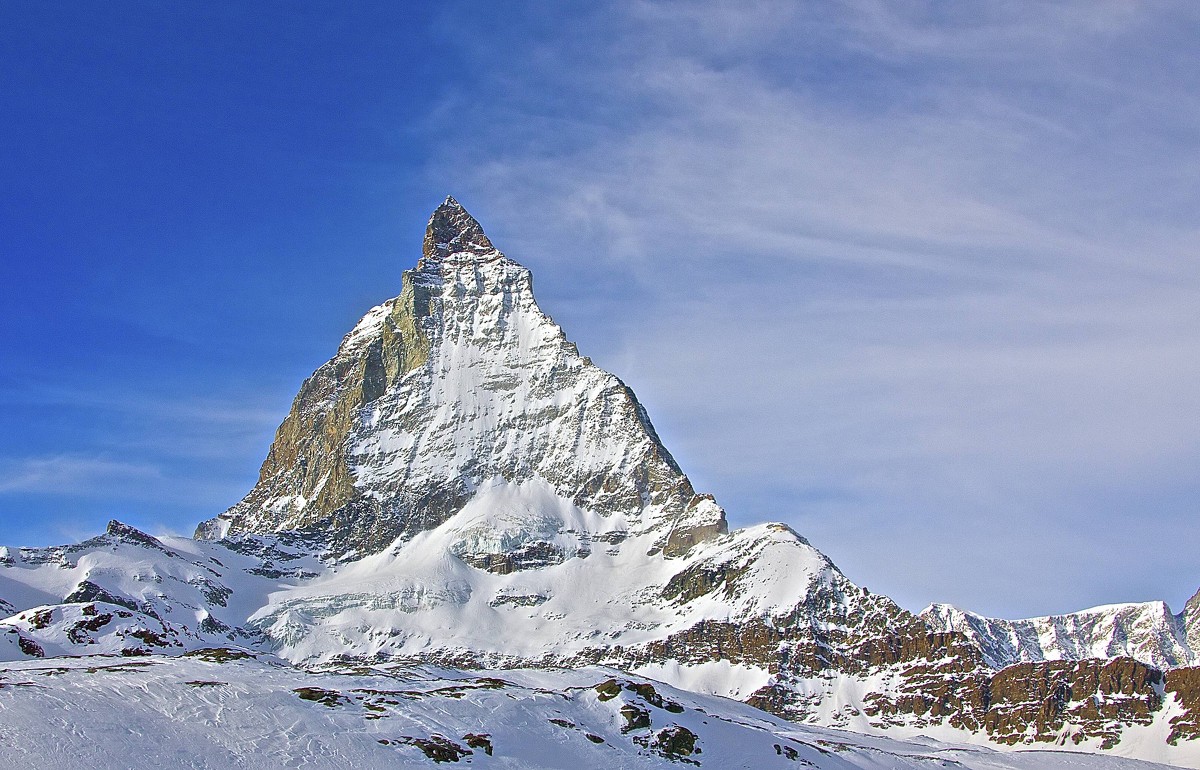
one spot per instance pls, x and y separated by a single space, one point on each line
458 383
452 231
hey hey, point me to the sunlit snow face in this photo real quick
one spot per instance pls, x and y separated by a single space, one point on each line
503 517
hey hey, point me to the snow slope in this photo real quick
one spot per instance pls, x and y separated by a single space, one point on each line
127 592
421 599
212 710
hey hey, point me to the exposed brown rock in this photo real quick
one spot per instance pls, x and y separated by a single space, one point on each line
308 456
1184 684
938 678
1044 702
636 717
479 741
436 747
676 743
30 647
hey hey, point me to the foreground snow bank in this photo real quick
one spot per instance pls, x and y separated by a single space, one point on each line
220 708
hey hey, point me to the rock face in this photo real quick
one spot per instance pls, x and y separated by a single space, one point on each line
459 486
1190 620
461 380
1056 702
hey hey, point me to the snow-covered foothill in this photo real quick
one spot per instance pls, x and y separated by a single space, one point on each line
127 592
423 597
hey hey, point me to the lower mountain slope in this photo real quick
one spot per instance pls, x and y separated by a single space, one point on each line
520 579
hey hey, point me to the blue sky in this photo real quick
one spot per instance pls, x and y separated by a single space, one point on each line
920 279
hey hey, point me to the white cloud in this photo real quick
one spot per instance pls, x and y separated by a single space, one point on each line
71 475
919 280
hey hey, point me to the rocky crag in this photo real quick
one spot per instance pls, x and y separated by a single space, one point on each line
459 486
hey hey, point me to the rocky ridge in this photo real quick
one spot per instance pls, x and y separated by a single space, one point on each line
1146 631
1190 619
459 486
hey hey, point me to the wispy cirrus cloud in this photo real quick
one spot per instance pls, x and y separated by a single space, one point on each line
72 475
97 477
159 462
917 278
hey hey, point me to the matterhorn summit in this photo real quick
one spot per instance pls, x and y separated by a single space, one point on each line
461 384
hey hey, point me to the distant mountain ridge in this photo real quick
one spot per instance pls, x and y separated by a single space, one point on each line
1146 631
459 486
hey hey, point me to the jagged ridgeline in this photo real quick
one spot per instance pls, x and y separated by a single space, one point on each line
460 381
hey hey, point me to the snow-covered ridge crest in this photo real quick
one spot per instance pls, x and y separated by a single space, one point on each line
459 380
1145 631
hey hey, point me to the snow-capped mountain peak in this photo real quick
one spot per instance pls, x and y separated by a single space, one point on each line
460 380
